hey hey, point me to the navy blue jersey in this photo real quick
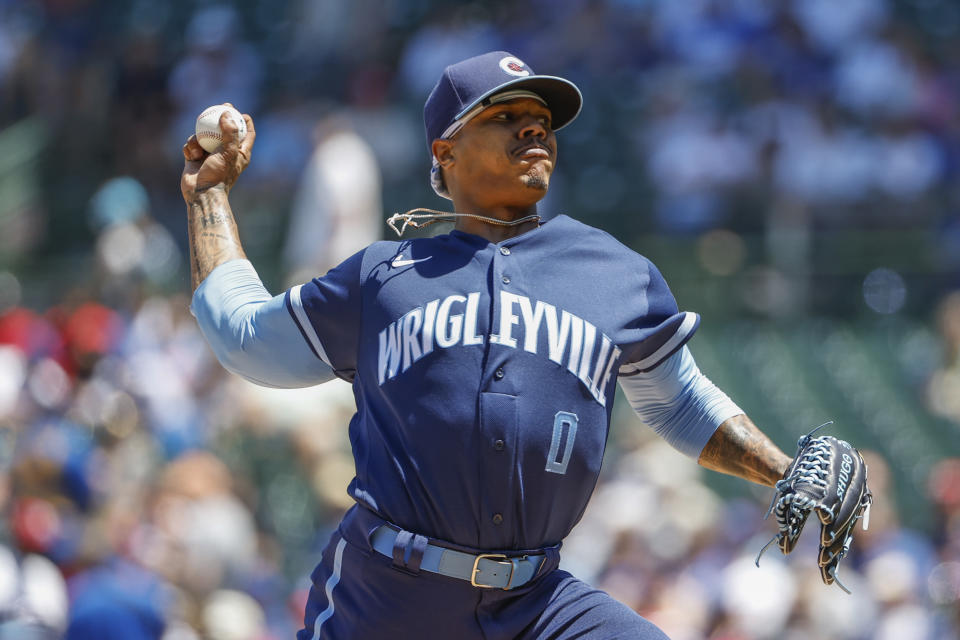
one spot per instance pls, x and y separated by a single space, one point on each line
484 374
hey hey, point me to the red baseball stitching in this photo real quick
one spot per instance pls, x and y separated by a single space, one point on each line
216 134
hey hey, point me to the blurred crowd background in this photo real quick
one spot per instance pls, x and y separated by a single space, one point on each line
792 167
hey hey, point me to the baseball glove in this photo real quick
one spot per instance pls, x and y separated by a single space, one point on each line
827 476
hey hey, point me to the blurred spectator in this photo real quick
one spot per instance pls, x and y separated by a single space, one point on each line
337 209
833 27
219 66
233 615
201 535
133 250
943 391
116 601
455 34
33 597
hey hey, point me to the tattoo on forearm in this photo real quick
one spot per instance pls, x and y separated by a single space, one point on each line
214 238
739 448
221 236
213 218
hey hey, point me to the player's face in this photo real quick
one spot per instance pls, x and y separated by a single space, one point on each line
504 156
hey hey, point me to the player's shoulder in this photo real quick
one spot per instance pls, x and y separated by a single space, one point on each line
384 255
388 249
593 238
382 249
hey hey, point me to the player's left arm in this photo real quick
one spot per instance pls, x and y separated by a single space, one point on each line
695 417
665 387
739 448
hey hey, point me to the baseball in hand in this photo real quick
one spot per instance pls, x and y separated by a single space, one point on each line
209 134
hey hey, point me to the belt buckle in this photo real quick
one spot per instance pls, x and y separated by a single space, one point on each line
496 557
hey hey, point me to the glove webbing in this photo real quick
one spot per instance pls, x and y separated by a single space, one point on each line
810 469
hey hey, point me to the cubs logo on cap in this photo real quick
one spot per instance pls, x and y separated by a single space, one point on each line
513 66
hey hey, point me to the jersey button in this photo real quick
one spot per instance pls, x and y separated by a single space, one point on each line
504 251
497 518
499 445
505 279
498 374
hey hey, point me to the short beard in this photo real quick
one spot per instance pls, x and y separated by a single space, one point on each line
536 180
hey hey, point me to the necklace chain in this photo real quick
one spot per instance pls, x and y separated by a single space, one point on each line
432 216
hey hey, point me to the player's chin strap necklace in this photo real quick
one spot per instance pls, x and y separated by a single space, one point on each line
432 216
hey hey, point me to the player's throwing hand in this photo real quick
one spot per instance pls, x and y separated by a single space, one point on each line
203 171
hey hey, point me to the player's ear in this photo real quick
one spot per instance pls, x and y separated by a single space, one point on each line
443 151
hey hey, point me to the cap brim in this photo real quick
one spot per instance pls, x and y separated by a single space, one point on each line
563 98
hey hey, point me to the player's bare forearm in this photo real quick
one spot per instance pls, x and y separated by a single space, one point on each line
739 448
214 238
205 182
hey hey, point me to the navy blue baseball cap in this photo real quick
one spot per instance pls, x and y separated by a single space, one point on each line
469 86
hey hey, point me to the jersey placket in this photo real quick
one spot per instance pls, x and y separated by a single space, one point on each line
498 419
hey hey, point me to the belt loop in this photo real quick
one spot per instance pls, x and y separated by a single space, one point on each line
417 550
552 558
400 550
408 550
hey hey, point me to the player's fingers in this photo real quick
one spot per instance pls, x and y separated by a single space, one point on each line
230 129
192 151
247 143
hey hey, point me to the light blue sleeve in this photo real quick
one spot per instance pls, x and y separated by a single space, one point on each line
251 332
678 402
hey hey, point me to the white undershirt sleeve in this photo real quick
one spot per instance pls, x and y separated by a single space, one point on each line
252 332
678 402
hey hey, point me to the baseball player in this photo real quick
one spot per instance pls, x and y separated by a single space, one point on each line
483 363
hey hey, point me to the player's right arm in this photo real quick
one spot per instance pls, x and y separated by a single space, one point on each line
252 333
205 183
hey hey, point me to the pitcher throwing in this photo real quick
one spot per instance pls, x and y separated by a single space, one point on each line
483 363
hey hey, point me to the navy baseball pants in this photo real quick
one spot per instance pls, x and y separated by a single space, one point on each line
358 594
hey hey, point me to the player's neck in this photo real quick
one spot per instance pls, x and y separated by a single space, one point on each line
494 232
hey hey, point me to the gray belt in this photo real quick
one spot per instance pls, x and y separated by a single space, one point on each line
488 570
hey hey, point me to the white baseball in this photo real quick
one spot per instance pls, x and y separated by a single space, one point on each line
209 134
